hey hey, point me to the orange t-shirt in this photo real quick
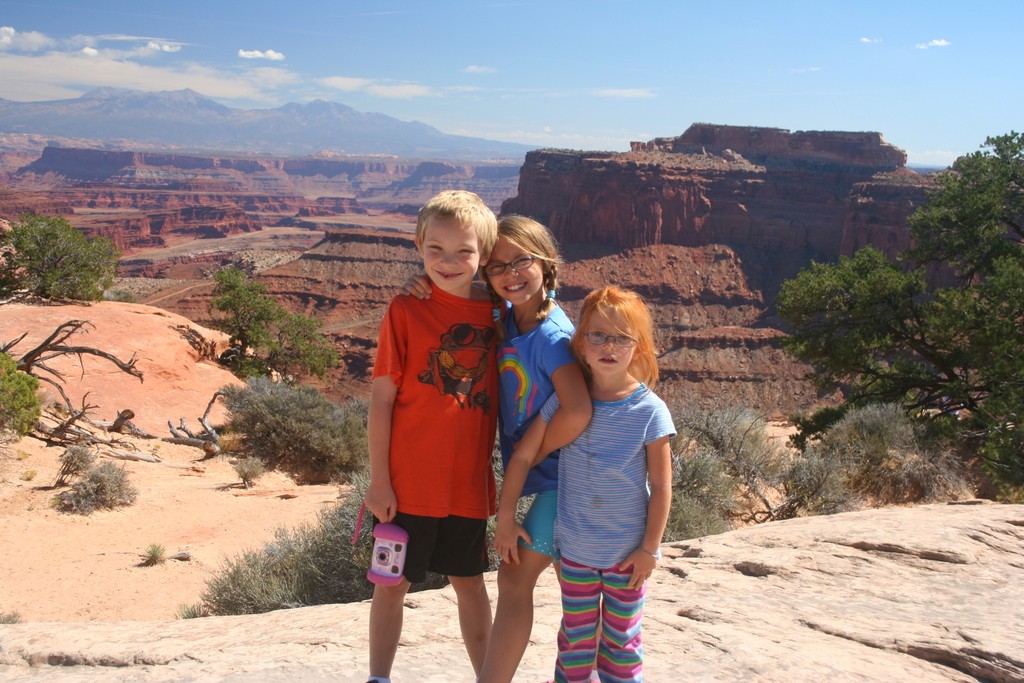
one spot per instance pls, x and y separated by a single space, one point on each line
440 353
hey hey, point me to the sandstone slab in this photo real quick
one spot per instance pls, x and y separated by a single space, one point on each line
926 593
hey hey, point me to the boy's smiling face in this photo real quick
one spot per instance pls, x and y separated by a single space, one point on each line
451 255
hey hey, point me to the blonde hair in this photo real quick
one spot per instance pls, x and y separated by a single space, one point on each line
630 307
536 240
468 210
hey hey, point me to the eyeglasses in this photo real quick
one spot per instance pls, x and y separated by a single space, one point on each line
600 339
516 264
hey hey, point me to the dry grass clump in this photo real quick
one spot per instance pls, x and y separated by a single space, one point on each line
105 486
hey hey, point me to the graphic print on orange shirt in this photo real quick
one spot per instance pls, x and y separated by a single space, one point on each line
460 362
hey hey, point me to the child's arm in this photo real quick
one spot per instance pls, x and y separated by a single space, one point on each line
574 408
643 560
380 497
526 454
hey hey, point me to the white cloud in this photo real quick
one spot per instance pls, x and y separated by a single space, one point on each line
67 75
90 51
400 91
33 41
477 69
806 69
937 42
870 40
624 93
346 83
162 47
272 55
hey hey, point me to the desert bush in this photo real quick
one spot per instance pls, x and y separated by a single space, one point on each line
28 475
738 438
74 462
104 486
10 618
154 555
311 564
702 494
19 405
249 470
297 430
816 484
122 295
887 459
193 611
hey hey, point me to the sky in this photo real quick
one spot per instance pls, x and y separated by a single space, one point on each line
935 78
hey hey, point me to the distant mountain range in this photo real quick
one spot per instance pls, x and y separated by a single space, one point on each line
185 120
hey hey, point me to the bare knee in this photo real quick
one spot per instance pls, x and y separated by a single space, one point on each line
520 579
390 596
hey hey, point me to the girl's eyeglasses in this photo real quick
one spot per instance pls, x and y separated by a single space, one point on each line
600 339
516 264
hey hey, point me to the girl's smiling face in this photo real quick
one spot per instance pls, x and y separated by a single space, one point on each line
518 287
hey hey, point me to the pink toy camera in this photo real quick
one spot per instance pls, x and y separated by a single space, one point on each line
389 544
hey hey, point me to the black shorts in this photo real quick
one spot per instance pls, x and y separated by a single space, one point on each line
453 546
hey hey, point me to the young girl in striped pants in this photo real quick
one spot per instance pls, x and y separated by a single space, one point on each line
614 492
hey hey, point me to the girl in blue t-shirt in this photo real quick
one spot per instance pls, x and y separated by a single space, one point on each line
614 492
535 362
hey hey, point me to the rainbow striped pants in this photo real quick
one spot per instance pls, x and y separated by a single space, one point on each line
600 617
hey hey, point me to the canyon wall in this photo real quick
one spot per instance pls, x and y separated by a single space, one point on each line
780 197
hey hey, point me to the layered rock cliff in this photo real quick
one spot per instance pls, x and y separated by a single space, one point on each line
778 197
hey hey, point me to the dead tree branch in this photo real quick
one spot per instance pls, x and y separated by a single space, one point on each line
34 362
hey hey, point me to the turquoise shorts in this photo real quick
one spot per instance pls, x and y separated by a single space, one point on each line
540 524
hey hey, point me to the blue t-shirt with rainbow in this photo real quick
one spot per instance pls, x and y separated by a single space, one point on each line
526 363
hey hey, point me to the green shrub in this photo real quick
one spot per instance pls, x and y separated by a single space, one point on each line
154 555
297 430
816 484
74 462
193 611
738 438
45 256
122 295
104 486
310 565
249 470
887 459
702 495
19 405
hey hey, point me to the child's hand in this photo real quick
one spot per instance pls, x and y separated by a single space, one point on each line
506 540
643 564
418 286
381 501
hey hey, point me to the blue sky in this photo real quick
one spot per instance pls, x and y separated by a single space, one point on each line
935 78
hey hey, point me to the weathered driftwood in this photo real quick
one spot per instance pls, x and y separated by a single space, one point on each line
34 361
69 430
123 424
125 455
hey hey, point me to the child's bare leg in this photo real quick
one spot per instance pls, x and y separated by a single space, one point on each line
474 616
513 617
386 611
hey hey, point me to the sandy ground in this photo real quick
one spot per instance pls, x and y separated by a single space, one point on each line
64 567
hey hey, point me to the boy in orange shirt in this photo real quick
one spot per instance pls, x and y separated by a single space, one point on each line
432 425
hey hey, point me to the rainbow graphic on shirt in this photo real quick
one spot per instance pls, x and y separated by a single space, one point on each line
512 373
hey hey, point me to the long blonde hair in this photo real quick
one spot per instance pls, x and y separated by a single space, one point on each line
628 306
536 240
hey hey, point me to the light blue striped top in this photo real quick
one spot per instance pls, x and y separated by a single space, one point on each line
602 479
